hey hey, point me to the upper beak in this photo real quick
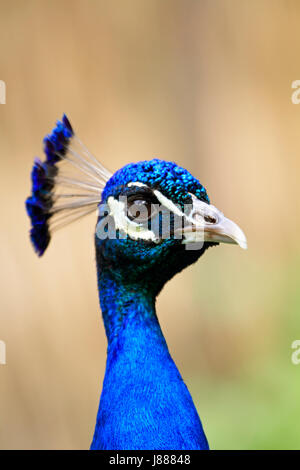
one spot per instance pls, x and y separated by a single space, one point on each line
225 231
207 223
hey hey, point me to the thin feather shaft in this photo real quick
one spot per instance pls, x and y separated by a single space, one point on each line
86 164
65 180
73 219
80 167
74 205
86 151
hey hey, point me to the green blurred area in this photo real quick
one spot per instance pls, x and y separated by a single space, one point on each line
240 372
208 85
255 404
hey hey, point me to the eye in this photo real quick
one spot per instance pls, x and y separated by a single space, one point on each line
140 209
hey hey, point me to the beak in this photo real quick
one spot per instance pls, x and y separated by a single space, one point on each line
206 223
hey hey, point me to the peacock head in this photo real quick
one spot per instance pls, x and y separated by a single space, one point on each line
154 217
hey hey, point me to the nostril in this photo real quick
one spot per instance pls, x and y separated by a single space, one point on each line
210 219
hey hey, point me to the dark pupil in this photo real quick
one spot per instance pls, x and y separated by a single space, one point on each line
139 210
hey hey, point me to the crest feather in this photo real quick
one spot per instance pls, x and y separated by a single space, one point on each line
65 187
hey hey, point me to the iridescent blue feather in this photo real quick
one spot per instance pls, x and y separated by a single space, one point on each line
38 205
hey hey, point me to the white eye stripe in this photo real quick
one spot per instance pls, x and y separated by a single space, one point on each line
168 203
138 184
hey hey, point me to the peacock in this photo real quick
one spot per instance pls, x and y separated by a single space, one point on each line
153 220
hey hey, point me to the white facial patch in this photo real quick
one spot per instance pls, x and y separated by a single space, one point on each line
132 229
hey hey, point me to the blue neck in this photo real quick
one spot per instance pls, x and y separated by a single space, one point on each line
144 402
126 307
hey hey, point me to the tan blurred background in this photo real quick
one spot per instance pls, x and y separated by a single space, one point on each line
208 85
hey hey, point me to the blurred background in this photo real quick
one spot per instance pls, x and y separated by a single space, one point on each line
208 85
